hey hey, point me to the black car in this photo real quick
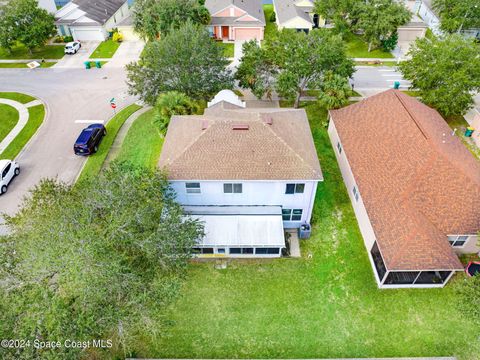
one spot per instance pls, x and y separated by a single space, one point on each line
89 139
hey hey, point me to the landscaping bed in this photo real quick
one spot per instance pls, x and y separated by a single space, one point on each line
105 50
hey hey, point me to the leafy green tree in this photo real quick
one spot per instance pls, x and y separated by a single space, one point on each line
172 103
304 59
335 91
152 18
92 261
186 60
24 21
256 71
446 71
458 15
339 11
390 43
380 19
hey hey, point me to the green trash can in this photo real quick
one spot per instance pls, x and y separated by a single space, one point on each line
469 131
396 85
98 64
87 65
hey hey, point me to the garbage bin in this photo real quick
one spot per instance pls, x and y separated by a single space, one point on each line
304 231
87 65
98 64
469 131
396 85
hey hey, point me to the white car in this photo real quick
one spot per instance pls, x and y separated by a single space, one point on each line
72 47
9 169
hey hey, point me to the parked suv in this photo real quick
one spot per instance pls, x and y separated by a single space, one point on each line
8 170
72 47
89 139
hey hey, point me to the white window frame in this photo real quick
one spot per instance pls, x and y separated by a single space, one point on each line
457 238
233 188
291 214
193 190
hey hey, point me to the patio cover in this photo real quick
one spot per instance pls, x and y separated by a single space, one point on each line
240 226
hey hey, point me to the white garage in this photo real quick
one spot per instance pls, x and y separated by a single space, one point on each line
248 33
88 34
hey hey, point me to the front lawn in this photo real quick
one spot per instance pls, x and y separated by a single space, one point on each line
228 49
324 305
24 65
8 119
358 48
21 52
36 114
143 142
270 27
105 50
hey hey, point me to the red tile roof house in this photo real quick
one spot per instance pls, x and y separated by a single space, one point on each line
414 187
236 19
248 174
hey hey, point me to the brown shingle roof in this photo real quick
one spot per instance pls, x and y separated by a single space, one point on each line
417 180
207 148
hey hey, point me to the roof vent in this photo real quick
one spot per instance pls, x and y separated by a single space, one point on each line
204 124
240 127
268 120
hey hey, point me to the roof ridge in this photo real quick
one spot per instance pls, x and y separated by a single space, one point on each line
404 105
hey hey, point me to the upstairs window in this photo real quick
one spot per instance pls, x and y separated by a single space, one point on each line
192 188
295 189
232 188
457 240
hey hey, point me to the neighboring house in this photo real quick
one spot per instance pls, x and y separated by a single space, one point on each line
416 28
414 187
48 5
90 19
248 174
236 19
296 14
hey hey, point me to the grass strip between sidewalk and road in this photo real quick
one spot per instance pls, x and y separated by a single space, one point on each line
21 98
13 65
94 162
36 114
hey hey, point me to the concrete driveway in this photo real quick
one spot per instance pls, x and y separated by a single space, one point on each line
71 96
76 61
127 52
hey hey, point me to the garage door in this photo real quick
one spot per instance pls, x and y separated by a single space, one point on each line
247 34
90 34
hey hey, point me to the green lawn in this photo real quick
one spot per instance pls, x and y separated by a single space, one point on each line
270 27
24 65
459 123
228 49
105 50
323 306
94 162
21 98
8 119
44 52
358 48
35 119
143 142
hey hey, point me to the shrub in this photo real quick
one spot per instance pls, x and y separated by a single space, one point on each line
390 43
273 17
58 39
67 39
118 37
172 103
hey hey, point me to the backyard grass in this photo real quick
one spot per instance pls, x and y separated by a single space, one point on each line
21 98
24 65
36 114
459 123
143 142
105 50
358 48
21 52
8 119
270 27
94 162
228 49
326 305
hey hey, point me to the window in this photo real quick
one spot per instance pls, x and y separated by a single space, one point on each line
339 147
207 250
221 250
232 188
355 193
416 277
192 188
235 250
292 215
247 251
266 251
196 250
457 240
6 170
295 189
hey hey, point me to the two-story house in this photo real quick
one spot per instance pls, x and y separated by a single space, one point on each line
248 174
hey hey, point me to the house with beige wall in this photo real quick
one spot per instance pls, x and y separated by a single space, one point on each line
414 187
296 14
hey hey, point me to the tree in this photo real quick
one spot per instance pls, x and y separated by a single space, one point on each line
185 60
339 11
458 15
446 71
93 260
172 103
154 17
255 71
24 21
335 91
304 59
380 19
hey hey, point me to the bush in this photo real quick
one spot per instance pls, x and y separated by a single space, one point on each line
58 39
390 43
118 37
172 103
67 39
273 17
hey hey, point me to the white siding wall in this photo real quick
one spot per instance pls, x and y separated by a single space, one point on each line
430 18
470 247
358 206
121 14
254 193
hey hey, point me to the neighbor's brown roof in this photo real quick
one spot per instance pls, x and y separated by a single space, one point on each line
207 148
418 181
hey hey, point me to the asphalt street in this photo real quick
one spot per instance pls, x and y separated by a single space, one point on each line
372 79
